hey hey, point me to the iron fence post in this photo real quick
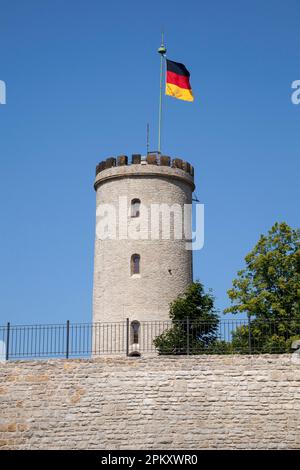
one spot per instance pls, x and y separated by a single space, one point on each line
7 341
127 336
187 336
67 339
249 335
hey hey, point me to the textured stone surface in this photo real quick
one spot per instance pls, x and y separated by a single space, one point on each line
166 264
205 402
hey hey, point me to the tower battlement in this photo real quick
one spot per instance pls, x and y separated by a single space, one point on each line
150 159
151 165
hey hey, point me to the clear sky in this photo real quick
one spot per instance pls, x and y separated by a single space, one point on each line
82 81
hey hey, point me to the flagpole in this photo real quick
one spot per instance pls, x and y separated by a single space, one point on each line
161 50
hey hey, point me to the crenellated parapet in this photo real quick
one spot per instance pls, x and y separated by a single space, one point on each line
150 159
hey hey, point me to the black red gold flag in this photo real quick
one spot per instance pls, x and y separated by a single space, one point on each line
178 81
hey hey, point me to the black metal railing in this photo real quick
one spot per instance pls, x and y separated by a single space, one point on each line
156 337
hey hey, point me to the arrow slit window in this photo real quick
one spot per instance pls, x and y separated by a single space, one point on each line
135 264
135 207
135 326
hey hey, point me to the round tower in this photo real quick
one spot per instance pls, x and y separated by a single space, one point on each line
141 259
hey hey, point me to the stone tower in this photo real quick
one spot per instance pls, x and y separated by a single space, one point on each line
138 268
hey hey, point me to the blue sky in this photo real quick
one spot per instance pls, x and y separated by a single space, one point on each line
82 82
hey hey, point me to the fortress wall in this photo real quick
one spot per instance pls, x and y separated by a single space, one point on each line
200 402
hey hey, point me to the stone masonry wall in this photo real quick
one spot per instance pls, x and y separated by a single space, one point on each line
204 402
165 264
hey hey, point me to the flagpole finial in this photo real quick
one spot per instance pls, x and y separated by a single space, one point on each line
162 48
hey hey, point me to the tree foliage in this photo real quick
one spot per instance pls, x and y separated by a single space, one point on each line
268 290
194 323
269 286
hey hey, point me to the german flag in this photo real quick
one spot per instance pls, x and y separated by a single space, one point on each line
178 81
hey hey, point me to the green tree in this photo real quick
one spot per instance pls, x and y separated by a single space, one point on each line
268 290
197 333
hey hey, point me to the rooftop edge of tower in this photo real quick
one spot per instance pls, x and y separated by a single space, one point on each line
153 164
